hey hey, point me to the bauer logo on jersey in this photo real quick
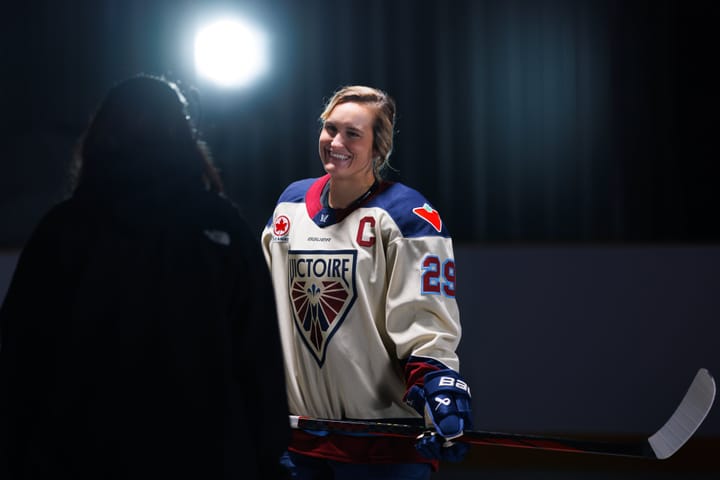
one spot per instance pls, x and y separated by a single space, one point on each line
322 291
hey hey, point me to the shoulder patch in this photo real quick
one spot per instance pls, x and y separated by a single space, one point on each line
430 215
281 226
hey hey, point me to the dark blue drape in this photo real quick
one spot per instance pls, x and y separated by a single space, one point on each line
522 121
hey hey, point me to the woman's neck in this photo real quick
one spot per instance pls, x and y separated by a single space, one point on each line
342 194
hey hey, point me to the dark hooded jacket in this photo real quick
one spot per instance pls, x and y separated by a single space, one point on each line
139 340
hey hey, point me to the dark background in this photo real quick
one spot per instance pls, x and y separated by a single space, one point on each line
545 121
567 144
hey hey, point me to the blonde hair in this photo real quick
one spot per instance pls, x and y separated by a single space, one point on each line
384 125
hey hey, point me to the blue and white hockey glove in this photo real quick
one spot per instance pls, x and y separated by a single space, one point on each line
445 404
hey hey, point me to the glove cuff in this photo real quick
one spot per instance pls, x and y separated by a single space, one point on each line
415 397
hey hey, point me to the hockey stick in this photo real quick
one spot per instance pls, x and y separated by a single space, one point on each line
688 416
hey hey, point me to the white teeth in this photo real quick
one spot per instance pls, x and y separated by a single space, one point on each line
339 157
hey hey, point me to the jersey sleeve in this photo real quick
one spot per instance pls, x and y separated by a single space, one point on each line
265 238
422 316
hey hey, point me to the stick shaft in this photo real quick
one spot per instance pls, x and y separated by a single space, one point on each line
687 418
476 437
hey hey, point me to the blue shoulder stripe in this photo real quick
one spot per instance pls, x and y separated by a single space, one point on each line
411 211
295 192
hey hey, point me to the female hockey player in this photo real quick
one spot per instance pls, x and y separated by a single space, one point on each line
364 276
139 336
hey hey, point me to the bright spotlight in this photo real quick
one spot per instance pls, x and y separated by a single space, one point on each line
230 53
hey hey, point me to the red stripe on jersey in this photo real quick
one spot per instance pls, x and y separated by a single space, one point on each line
415 373
312 197
358 449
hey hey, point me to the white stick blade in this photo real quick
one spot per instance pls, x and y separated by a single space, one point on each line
688 416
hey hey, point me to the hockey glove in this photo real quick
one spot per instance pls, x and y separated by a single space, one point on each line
445 404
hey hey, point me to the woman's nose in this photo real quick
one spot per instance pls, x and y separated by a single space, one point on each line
337 140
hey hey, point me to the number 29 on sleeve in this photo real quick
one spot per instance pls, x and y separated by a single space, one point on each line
438 277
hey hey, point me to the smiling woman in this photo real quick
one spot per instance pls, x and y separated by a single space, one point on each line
364 280
231 53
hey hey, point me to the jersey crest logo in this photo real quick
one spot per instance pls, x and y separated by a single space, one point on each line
281 226
430 215
322 290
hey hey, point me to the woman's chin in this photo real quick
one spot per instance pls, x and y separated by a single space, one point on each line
334 169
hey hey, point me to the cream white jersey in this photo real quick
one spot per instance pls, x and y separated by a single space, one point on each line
365 298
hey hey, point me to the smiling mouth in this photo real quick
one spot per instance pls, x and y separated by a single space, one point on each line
339 157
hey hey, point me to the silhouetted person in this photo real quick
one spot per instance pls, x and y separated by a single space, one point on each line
139 336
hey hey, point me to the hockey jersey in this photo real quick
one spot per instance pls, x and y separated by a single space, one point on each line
365 297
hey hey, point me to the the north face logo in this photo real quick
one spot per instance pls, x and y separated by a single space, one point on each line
322 290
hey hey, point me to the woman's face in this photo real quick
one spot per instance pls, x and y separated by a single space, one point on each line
346 143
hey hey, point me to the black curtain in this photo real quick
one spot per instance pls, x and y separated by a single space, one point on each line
522 121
